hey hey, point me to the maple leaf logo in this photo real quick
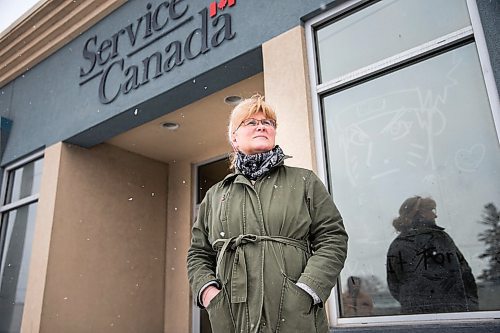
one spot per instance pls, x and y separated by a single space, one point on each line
220 5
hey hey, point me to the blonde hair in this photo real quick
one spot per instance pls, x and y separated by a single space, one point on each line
410 211
244 110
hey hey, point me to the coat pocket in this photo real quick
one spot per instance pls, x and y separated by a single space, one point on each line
296 309
219 313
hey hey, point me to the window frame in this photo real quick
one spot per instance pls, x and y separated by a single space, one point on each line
26 201
475 33
5 183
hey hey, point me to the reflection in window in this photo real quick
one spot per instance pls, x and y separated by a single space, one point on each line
17 235
426 272
425 130
411 23
24 182
17 225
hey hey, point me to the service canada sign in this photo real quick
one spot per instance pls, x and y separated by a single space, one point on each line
211 28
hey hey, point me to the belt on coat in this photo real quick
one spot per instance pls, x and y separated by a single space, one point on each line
239 270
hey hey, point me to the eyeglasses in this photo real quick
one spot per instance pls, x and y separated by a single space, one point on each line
254 122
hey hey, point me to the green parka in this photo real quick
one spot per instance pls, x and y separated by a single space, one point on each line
257 241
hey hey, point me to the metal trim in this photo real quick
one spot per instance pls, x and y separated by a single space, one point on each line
10 168
316 108
485 63
397 60
429 318
24 161
22 202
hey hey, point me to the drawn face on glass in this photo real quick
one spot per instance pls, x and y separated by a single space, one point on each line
389 134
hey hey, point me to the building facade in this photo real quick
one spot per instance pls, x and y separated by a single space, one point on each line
114 117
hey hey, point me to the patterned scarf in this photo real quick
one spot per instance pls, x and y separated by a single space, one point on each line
256 165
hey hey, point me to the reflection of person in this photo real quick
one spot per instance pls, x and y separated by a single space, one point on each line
268 243
355 301
426 272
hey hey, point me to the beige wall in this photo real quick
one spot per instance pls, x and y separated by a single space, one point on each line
102 262
41 240
179 305
106 260
286 82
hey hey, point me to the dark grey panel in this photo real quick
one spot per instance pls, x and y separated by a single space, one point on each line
5 128
489 11
6 100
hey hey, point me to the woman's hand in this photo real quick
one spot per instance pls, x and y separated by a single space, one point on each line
208 295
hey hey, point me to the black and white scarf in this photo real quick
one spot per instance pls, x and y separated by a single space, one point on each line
256 165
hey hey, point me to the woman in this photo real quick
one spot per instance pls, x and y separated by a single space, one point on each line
268 243
426 272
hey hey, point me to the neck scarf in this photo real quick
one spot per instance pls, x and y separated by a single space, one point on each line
256 165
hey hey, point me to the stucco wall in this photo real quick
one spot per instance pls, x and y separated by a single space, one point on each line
106 259
288 91
177 296
179 303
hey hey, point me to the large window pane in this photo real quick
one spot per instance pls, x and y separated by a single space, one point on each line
24 181
425 130
383 30
17 235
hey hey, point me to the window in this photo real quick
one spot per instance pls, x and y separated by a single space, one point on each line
411 154
19 200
